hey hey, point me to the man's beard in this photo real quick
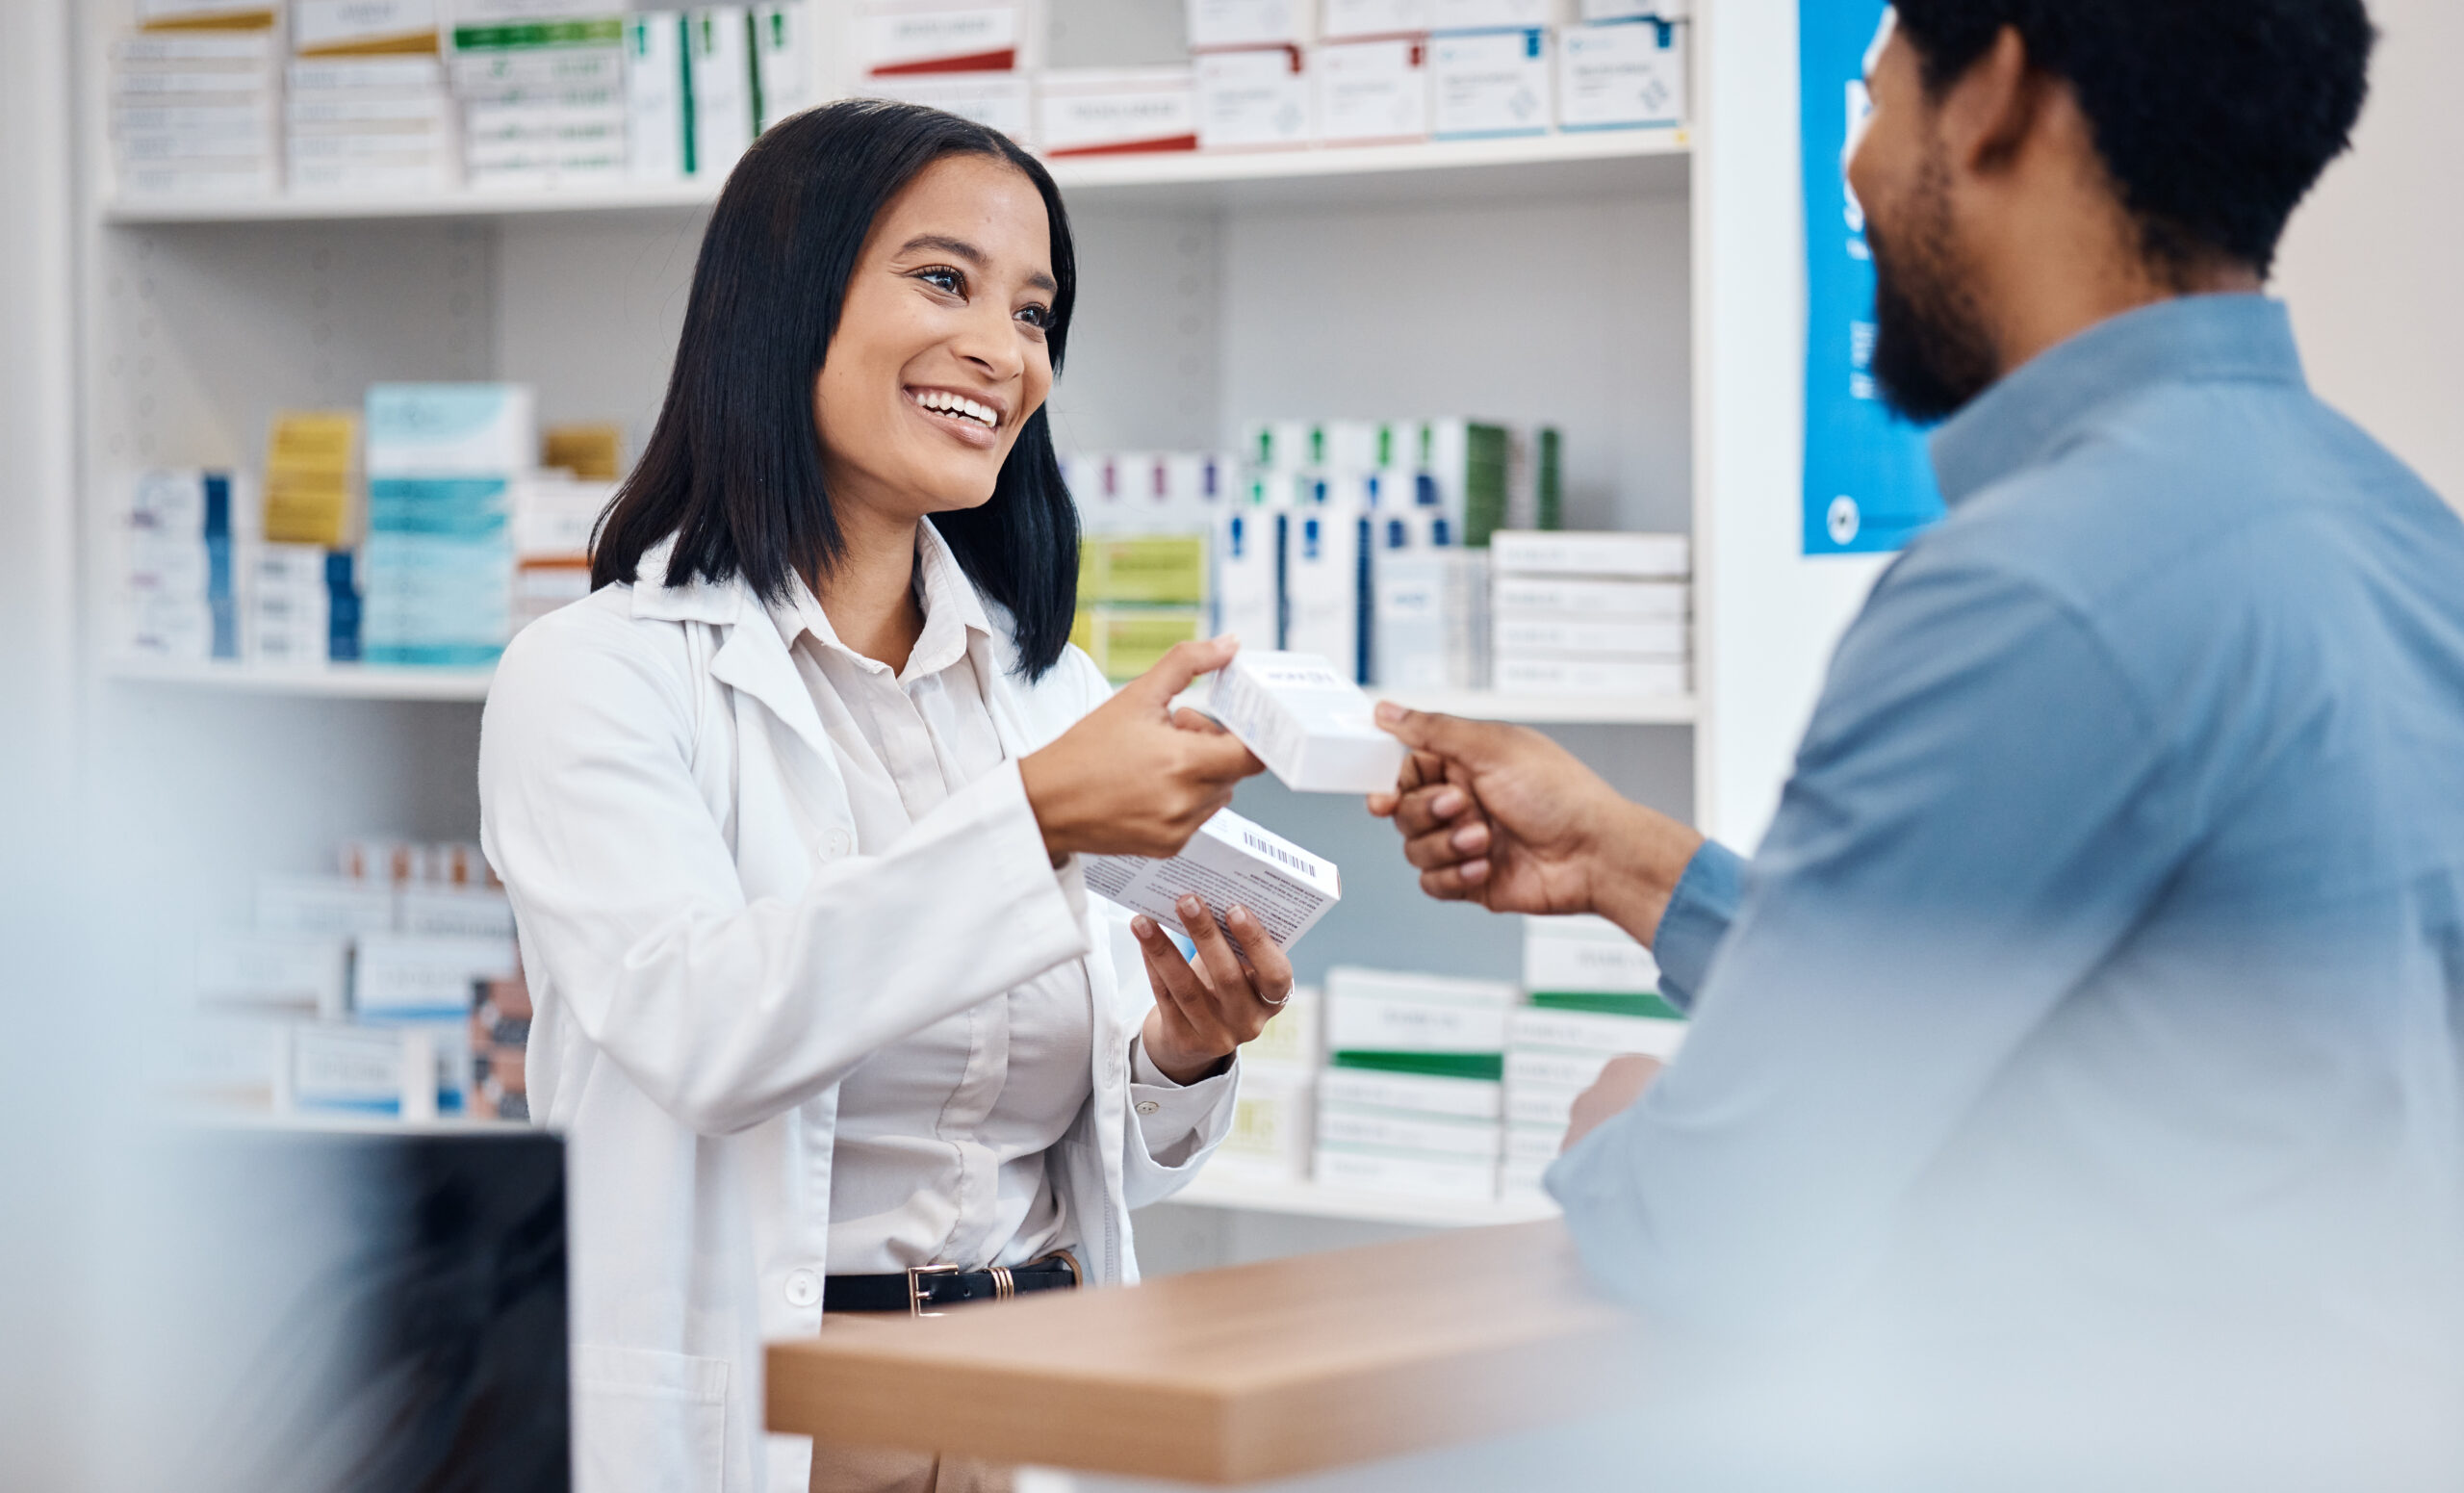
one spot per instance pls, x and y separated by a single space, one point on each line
1931 351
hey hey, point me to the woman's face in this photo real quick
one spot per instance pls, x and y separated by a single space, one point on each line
940 355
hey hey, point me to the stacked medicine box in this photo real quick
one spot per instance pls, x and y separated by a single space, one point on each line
543 101
1591 995
196 111
1144 579
186 529
439 562
1598 614
970 58
355 992
1412 1097
369 113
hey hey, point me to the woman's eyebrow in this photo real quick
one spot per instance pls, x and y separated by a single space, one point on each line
960 248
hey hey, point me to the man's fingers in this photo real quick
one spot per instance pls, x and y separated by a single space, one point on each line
1448 884
1420 813
1180 664
1445 847
1447 736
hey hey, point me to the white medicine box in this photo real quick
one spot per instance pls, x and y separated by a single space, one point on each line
1621 75
1372 91
1491 14
1116 111
1628 10
1257 99
1341 20
1217 24
897 37
996 100
1489 82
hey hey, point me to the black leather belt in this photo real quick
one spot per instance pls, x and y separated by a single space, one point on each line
920 1291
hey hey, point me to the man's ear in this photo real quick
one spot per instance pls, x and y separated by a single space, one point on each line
1988 111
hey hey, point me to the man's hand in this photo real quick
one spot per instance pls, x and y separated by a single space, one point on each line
1133 778
1504 816
1613 1092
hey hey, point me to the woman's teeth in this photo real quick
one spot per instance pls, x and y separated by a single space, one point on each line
943 402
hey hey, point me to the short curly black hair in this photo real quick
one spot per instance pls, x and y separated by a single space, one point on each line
2214 117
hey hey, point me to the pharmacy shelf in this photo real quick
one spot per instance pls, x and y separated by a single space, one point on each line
1221 1189
335 681
1608 161
378 682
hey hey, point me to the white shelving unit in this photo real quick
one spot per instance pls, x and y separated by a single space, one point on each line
1642 290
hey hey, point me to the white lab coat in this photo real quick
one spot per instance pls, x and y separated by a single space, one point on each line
709 957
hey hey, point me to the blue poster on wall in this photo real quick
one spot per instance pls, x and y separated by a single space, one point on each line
1868 485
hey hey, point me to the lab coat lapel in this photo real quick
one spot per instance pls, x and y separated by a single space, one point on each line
752 658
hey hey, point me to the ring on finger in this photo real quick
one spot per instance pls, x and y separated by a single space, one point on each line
1279 1004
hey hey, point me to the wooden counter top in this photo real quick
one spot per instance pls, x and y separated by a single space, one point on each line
1232 1375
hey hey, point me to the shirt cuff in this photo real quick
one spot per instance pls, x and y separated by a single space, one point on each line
1699 913
1177 1120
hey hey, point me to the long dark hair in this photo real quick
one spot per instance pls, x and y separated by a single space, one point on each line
734 467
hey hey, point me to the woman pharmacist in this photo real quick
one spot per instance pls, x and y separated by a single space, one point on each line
787 809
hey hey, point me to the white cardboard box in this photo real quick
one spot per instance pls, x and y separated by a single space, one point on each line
1371 91
1621 75
1455 1179
1307 721
1229 859
454 912
324 26
1603 601
1352 19
1535 1027
654 92
1520 674
1413 1093
1429 628
937 35
404 976
718 62
1599 552
1534 1143
1321 580
1255 98
322 905
996 100
1380 1129
1491 14
1627 10
1215 24
1536 1070
1116 111
1382 1011
1489 82
1248 571
1623 638
359 1069
1586 955
257 969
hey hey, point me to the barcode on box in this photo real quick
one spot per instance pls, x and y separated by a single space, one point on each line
1298 863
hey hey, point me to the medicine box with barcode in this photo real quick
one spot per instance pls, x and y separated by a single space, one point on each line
1308 722
1229 860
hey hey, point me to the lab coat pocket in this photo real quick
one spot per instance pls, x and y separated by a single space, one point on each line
648 1421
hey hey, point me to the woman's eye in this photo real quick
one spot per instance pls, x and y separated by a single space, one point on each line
1038 316
943 279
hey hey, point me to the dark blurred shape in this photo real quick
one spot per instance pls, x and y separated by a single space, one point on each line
381 1310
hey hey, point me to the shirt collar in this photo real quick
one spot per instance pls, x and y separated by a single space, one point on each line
952 611
2245 338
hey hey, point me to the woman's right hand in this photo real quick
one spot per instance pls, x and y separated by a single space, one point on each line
1133 778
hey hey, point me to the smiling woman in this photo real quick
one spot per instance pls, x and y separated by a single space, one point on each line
790 811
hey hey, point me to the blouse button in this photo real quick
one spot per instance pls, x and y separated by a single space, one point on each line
839 842
804 1288
1147 1106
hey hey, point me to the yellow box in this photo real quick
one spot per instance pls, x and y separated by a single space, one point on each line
1127 641
1150 569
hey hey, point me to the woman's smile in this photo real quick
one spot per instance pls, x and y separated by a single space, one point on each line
976 418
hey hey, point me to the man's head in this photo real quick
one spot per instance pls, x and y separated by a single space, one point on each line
2033 167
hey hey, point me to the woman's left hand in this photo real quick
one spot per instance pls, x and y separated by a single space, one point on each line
1203 1011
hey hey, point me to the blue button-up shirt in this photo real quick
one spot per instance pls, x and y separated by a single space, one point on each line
2109 938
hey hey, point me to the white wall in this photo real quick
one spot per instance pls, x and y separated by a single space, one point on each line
2369 262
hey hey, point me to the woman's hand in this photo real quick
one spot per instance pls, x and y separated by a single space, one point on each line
1132 778
1205 1009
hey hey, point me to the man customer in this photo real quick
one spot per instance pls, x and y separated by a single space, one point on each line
2101 971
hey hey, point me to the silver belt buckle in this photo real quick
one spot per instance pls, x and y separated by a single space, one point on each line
915 1274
